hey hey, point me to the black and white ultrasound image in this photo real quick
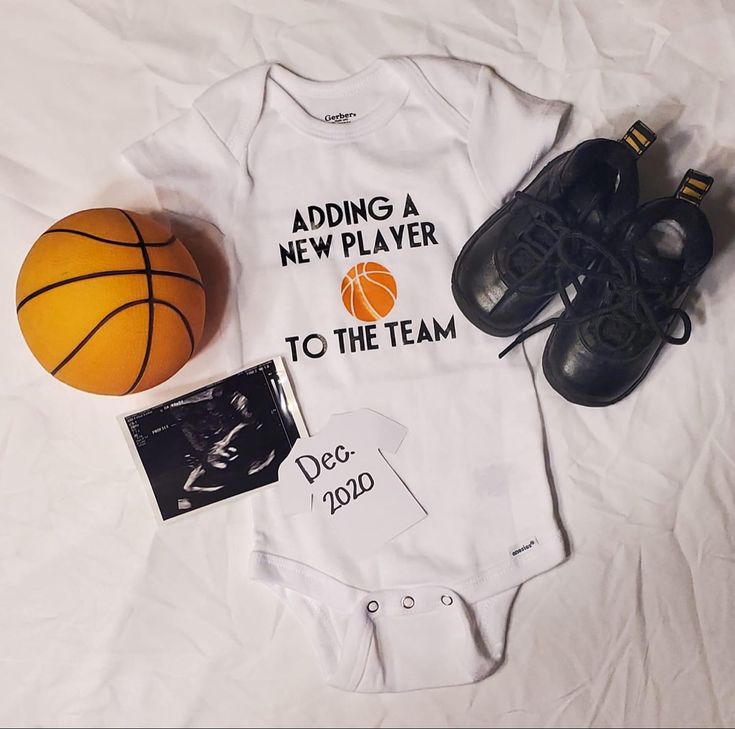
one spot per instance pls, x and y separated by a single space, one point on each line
218 441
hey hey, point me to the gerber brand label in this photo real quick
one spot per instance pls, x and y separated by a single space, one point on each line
341 117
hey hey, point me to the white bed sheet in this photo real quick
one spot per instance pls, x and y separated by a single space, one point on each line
108 619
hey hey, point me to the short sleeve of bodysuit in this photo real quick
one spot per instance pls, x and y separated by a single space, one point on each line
508 129
197 160
193 169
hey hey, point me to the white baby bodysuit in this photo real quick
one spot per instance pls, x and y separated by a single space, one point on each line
344 205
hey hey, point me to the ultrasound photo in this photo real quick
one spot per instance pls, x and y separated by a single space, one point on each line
219 441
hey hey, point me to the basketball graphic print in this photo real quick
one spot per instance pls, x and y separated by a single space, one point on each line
109 301
369 291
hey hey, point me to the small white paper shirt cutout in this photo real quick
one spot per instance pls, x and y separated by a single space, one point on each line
350 490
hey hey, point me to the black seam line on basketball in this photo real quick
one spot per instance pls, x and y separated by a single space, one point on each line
183 318
114 313
100 274
155 244
151 309
94 331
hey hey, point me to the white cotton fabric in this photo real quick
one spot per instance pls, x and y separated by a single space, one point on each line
426 149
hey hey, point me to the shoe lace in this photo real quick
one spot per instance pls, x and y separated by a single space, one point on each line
548 240
630 303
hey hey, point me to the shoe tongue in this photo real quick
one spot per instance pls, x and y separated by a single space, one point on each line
615 330
585 207
655 268
589 192
525 257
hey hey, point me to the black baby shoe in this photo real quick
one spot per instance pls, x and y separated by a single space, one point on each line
516 261
629 304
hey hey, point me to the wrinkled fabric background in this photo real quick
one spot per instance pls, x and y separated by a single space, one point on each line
108 619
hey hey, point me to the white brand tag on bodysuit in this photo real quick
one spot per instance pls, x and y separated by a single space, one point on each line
518 549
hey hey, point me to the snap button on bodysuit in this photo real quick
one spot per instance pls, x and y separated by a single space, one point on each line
372 606
408 602
447 600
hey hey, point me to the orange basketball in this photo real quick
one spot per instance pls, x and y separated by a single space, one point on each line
110 302
369 291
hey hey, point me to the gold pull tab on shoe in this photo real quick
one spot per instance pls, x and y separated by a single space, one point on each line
694 186
638 138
